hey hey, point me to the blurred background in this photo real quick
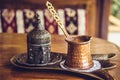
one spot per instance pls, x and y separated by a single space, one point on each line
114 25
99 18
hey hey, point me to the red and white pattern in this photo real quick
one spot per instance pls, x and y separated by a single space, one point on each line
81 21
29 19
41 15
50 24
61 14
71 21
8 19
21 20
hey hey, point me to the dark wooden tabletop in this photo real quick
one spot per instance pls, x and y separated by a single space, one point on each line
14 44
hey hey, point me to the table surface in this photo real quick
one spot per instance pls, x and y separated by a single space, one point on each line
13 44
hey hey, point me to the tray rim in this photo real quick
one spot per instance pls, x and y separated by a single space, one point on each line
36 65
58 69
54 68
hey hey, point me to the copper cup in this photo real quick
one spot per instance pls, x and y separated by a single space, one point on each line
79 55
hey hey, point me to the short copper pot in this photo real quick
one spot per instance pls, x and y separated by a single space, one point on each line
79 55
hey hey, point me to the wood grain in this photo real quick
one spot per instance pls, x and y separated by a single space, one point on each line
13 44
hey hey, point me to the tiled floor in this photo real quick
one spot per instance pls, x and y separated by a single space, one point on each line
114 37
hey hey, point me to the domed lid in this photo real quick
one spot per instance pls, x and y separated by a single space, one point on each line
38 35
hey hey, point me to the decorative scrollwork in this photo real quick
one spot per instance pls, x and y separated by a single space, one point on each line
56 17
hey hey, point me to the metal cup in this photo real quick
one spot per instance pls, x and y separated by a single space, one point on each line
78 54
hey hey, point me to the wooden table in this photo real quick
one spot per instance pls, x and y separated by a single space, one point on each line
13 44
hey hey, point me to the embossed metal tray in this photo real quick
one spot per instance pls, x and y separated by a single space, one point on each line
22 60
55 65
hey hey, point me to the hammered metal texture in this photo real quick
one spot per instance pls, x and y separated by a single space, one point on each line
79 55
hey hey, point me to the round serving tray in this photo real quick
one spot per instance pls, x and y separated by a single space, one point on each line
21 59
54 65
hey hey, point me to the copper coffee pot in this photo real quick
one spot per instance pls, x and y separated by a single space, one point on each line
79 55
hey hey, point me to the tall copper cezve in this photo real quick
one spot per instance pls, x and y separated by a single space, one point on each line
79 55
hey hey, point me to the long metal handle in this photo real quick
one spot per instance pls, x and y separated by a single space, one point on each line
56 17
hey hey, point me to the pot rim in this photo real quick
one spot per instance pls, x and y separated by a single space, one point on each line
84 39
